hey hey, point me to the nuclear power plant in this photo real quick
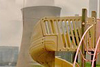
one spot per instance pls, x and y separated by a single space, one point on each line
50 40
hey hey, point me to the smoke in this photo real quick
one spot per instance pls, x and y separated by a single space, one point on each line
39 2
93 6
10 23
72 7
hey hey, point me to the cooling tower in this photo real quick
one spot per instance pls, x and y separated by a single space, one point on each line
31 15
93 5
99 8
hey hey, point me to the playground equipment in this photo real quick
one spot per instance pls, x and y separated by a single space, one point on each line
88 46
63 34
96 51
97 36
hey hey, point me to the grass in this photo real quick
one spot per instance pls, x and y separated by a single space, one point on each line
89 65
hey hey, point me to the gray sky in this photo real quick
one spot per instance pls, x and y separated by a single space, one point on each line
11 19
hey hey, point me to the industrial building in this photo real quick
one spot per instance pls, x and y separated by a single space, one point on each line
8 55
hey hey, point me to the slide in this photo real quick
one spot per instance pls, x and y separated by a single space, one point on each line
46 57
45 43
62 63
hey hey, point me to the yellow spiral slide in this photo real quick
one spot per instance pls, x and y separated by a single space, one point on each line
47 39
43 51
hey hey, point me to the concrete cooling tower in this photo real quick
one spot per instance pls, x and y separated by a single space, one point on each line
99 8
31 15
93 5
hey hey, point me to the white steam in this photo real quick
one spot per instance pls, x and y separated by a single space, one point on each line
39 2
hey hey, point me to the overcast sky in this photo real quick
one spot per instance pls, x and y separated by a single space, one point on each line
11 19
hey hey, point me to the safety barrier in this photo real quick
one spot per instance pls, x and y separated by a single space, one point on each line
67 29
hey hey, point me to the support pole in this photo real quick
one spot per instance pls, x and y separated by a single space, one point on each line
84 20
77 15
94 14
